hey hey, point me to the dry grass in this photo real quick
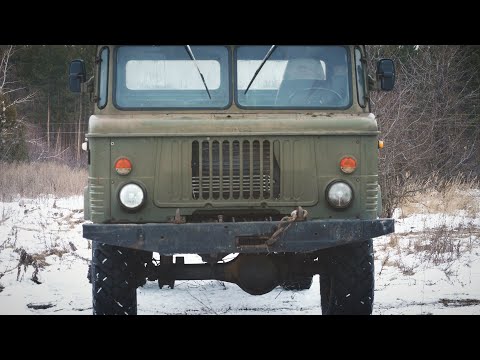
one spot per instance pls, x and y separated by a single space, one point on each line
41 178
393 241
440 245
445 197
37 261
444 244
407 270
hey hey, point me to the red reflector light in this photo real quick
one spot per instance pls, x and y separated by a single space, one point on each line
348 165
123 166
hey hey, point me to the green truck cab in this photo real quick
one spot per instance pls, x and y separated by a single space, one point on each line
266 152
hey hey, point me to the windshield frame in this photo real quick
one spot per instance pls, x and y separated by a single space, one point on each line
278 108
162 108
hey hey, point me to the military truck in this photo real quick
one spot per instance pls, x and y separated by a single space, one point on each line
263 160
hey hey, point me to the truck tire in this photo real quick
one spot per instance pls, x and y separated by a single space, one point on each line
116 273
303 283
347 286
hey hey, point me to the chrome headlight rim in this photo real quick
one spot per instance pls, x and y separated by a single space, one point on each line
138 207
334 206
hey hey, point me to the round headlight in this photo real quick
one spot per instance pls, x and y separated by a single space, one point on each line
339 194
132 196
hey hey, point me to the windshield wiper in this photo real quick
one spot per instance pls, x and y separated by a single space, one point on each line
190 53
272 49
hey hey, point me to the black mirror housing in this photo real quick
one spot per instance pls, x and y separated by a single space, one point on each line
386 74
77 75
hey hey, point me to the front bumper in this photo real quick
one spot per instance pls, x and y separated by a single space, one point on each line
240 237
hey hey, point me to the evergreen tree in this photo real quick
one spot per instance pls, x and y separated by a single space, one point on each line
55 110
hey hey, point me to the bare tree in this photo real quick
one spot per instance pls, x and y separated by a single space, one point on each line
7 86
12 142
429 121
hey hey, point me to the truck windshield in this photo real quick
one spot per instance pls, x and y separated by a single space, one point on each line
313 77
167 77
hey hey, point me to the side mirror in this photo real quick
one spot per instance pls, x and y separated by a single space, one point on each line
77 75
386 74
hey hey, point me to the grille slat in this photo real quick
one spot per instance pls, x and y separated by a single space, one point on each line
233 169
230 166
210 163
240 169
262 186
220 173
251 193
270 167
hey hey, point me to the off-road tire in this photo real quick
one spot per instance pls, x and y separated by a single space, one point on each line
347 286
302 283
116 273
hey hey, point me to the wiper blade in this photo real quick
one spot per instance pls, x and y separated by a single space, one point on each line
190 53
269 53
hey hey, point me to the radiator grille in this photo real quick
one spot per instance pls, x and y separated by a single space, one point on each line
235 169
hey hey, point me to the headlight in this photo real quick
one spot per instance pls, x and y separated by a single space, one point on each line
339 194
132 196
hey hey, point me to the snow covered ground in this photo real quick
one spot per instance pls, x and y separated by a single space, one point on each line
431 265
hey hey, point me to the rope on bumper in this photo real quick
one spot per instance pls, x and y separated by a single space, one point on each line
297 215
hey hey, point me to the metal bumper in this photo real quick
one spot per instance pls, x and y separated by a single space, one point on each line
241 237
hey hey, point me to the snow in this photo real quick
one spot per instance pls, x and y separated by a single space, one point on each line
408 279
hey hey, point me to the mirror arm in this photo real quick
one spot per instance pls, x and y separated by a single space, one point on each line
87 86
373 84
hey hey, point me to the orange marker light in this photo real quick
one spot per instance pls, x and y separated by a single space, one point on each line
380 144
348 165
123 166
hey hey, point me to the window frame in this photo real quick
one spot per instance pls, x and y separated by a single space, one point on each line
99 89
161 108
357 80
245 107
